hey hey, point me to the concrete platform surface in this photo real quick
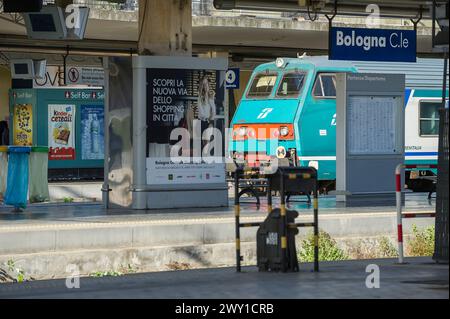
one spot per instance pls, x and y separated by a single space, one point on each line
420 278
44 239
39 214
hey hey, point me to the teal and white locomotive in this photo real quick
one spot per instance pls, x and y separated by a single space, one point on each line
290 105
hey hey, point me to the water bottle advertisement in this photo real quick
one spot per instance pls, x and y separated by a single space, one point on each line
92 132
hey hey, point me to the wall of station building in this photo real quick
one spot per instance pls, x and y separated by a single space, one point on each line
5 85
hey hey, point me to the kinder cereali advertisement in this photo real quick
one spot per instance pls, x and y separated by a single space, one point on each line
61 131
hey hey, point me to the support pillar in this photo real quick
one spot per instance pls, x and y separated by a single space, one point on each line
63 3
165 27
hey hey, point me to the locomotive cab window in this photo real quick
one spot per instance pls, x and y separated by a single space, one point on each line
325 86
291 84
429 118
262 85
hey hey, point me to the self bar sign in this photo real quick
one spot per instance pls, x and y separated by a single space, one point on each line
372 45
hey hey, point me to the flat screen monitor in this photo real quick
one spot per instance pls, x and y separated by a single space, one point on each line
21 68
49 24
42 22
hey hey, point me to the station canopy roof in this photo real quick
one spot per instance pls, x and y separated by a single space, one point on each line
388 8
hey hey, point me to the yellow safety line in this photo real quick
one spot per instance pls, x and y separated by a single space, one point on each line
108 224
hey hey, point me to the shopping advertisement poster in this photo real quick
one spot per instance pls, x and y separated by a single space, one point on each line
92 132
23 125
178 98
163 171
61 131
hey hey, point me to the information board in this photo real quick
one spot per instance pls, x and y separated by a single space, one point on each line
370 136
371 126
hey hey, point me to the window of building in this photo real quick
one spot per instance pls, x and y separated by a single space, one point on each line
262 85
325 86
291 84
429 118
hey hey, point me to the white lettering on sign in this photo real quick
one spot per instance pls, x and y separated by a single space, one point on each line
397 40
272 239
367 42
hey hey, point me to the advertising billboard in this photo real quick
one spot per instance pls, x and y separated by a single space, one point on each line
92 132
23 125
181 98
61 131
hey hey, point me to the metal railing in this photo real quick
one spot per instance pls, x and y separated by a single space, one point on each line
398 197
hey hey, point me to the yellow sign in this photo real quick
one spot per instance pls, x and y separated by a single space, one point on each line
23 125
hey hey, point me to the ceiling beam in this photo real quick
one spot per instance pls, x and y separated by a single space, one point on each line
391 9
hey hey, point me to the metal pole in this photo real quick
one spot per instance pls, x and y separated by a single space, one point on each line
398 197
316 227
237 211
269 197
283 223
105 189
139 134
433 23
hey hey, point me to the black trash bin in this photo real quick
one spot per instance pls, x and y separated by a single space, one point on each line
268 243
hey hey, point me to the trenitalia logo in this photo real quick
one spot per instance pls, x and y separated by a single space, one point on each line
372 44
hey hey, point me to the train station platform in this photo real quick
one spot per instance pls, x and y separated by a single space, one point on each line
419 279
44 239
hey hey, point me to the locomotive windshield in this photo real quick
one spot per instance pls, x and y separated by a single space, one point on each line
262 85
291 84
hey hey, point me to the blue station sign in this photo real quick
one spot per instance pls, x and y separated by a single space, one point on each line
359 44
232 79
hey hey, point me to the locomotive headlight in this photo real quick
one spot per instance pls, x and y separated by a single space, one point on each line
242 131
280 63
284 131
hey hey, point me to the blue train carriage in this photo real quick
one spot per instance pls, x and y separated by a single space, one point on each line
289 109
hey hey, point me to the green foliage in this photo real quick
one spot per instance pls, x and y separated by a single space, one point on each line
371 248
422 242
129 269
110 273
386 248
68 200
18 274
328 249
